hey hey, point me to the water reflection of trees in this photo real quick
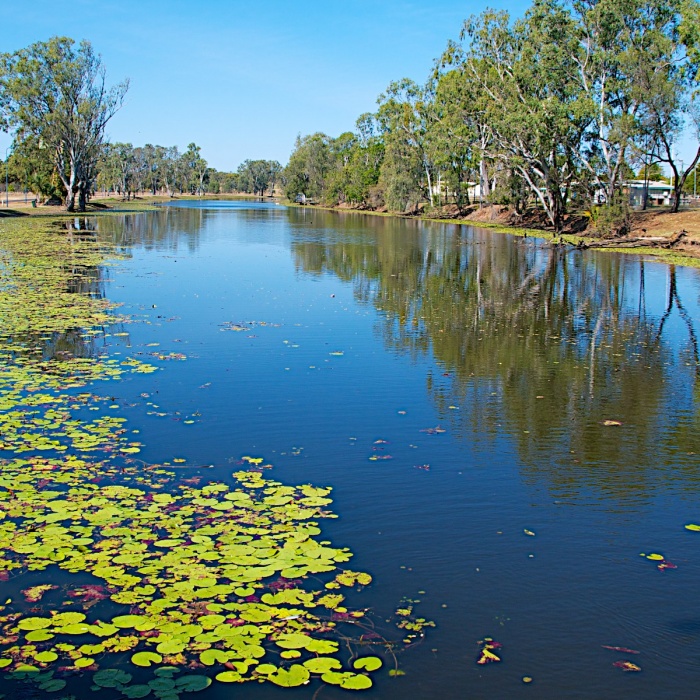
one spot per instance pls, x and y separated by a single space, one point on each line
166 229
542 343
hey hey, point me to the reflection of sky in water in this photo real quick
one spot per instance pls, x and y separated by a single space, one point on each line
436 328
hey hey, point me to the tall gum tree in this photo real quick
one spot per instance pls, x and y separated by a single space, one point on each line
58 94
536 115
402 118
630 65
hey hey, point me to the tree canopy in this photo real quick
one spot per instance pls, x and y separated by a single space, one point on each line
553 110
57 96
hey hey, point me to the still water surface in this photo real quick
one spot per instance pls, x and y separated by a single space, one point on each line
518 352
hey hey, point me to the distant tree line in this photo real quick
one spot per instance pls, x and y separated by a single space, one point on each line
54 98
555 110
126 170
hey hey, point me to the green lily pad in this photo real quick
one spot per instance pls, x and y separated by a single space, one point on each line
136 691
209 657
322 665
367 663
39 636
292 677
293 640
229 677
111 678
126 621
146 658
34 623
84 662
192 684
52 685
356 682
290 654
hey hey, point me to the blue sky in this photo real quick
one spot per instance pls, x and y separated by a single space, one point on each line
242 79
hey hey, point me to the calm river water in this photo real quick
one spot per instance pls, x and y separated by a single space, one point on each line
478 370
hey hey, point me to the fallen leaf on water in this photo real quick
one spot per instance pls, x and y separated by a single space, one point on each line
626 666
35 593
665 565
487 656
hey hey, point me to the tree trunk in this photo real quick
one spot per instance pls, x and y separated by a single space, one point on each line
680 182
484 177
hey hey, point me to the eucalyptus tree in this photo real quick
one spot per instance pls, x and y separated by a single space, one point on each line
195 169
58 95
308 167
453 134
402 117
153 158
32 166
362 155
667 83
257 176
116 167
275 170
632 68
342 150
167 159
526 74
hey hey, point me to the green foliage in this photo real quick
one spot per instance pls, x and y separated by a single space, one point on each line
31 167
308 167
257 176
652 172
57 95
545 110
613 218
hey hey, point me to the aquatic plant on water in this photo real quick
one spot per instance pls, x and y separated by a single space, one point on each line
140 581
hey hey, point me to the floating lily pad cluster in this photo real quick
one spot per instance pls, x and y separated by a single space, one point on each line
165 584
211 575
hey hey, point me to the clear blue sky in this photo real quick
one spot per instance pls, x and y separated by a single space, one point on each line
240 78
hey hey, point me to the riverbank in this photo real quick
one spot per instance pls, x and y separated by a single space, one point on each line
654 232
